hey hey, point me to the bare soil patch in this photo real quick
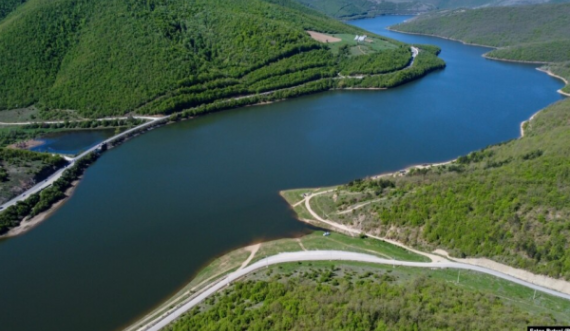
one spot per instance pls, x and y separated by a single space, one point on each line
27 144
324 38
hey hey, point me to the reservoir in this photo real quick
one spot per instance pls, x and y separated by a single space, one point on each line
150 213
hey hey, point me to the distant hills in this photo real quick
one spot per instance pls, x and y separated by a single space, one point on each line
539 33
351 9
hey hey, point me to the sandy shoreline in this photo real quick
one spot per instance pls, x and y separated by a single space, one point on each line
550 73
415 166
31 143
28 224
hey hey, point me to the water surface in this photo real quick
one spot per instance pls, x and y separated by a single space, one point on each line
72 142
152 212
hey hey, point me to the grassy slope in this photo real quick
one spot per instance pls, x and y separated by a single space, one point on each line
509 202
109 57
355 296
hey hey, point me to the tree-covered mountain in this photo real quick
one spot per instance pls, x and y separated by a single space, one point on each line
106 57
351 9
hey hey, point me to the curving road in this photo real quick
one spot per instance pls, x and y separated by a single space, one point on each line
56 175
331 256
415 52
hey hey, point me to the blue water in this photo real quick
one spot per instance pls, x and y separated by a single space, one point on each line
150 213
72 142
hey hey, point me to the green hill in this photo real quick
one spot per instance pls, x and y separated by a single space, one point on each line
509 202
525 33
352 9
497 27
108 57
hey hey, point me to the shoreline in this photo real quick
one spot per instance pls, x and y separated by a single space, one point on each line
486 56
414 166
441 37
29 224
551 74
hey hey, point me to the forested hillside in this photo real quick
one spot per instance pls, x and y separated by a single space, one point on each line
322 296
352 9
8 6
498 27
525 33
509 202
108 57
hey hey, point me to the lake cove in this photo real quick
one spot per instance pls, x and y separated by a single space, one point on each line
72 142
150 213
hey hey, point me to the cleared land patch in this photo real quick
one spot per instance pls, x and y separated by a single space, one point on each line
324 38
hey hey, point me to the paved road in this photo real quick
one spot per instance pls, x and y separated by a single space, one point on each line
56 175
150 118
333 256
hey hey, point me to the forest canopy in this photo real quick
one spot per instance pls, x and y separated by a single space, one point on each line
108 57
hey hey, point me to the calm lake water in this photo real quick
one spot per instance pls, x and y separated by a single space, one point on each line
149 214
72 142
